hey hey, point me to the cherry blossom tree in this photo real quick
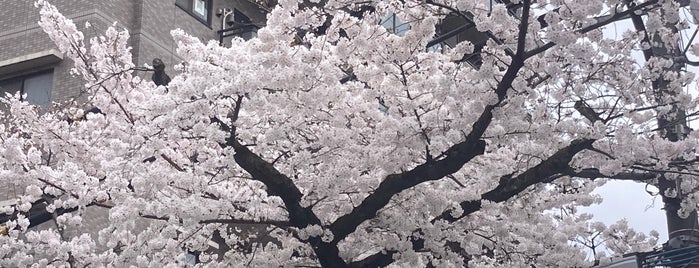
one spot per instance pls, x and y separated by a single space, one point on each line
330 141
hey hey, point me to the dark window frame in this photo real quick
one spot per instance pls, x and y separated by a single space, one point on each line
188 6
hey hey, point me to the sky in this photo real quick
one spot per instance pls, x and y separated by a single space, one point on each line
627 199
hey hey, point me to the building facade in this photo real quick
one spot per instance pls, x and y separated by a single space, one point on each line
31 64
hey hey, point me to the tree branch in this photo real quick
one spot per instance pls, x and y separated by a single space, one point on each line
593 173
510 186
523 28
456 156
172 163
280 185
613 18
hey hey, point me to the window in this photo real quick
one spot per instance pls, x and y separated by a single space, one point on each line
200 9
393 24
237 24
34 88
248 29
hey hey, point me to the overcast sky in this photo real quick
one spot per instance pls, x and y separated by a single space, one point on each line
626 199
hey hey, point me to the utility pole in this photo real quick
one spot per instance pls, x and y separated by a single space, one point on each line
682 232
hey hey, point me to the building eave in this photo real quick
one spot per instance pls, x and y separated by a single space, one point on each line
29 62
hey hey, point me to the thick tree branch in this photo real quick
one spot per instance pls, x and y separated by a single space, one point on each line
277 184
586 111
510 186
523 28
455 157
280 185
37 214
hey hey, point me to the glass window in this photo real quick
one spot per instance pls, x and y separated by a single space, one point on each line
238 25
38 89
34 88
248 29
200 9
393 24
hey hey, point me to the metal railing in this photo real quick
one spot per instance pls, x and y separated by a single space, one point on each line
680 257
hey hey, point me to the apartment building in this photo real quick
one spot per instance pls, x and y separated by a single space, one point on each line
31 64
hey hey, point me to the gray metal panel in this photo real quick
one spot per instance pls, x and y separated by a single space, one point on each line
625 262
